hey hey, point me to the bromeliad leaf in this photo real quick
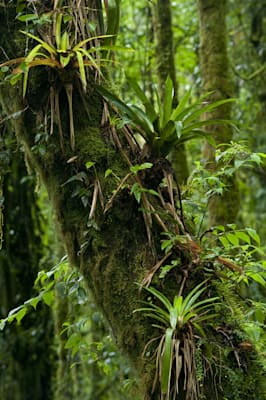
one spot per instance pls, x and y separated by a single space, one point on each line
163 127
167 360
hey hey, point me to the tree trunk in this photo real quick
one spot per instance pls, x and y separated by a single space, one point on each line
26 361
215 74
165 58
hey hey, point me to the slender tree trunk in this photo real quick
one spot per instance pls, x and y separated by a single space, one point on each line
258 87
26 361
166 67
216 77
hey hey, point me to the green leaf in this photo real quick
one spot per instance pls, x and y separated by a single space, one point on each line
90 164
178 128
58 25
256 277
260 315
81 44
113 16
27 17
80 177
48 298
108 172
4 69
136 191
136 168
167 244
14 311
151 113
224 241
165 269
73 341
133 115
33 302
166 367
190 299
145 122
255 157
253 234
33 53
160 296
168 131
232 238
220 228
173 317
178 301
157 316
193 126
181 106
239 163
82 52
243 236
202 110
46 46
153 192
65 42
82 70
20 314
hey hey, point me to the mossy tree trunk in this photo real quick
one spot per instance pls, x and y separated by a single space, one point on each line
165 60
258 87
216 77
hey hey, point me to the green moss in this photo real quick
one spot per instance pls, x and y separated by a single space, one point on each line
90 144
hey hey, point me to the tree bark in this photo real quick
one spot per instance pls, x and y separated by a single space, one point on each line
215 74
165 58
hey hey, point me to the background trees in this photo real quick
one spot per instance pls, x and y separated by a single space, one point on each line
116 200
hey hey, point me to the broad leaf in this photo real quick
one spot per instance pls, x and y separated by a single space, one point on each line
151 113
181 106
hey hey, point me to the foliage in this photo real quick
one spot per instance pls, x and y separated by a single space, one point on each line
176 348
58 57
63 53
226 254
234 158
228 257
166 126
96 353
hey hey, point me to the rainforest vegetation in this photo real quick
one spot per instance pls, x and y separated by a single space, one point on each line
132 200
